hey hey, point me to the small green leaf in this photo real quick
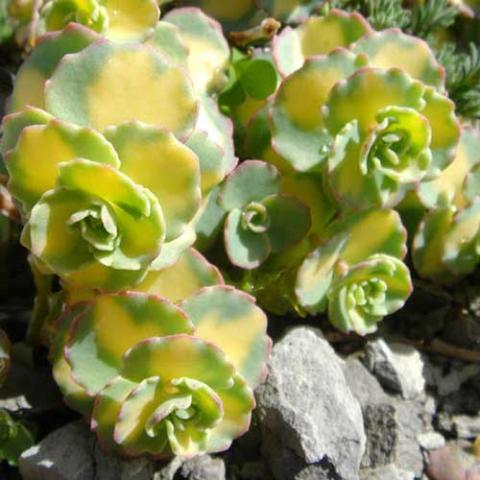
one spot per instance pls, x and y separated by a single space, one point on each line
259 79
15 438
245 249
252 181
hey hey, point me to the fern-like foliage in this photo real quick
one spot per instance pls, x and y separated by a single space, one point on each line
463 78
380 13
422 19
430 16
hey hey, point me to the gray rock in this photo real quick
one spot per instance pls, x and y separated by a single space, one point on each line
381 427
203 467
72 453
411 421
65 454
112 467
363 384
452 381
287 465
398 367
388 472
312 423
168 471
391 424
431 440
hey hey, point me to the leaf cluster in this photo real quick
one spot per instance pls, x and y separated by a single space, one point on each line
425 19
463 77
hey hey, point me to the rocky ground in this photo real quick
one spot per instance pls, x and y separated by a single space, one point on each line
386 412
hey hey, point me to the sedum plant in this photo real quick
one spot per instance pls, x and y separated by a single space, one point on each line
71 113
374 147
360 125
358 280
113 150
178 379
256 211
121 145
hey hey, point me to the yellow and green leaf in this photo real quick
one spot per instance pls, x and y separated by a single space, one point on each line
14 124
317 36
298 128
393 49
449 187
190 273
155 159
95 356
231 320
34 163
93 88
29 88
208 49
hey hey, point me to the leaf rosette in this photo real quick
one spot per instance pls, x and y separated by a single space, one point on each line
81 222
361 295
367 107
173 381
327 268
256 224
85 210
98 184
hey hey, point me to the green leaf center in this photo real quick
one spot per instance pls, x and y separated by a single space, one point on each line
97 226
255 218
366 294
398 147
189 409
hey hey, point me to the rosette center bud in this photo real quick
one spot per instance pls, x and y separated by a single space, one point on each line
97 226
398 147
255 218
188 409
366 294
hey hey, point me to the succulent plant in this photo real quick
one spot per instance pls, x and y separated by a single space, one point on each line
15 438
362 294
377 151
178 379
72 114
255 225
328 114
348 249
119 147
445 246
